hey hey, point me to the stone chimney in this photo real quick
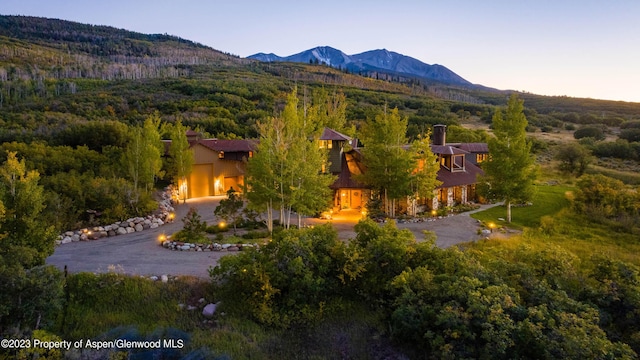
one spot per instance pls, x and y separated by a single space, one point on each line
439 134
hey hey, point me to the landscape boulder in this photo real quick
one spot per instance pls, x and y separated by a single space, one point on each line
209 310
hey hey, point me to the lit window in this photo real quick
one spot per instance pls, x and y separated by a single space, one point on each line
250 154
326 144
446 162
221 155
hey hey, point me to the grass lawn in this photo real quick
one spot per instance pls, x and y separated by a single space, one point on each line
563 228
548 200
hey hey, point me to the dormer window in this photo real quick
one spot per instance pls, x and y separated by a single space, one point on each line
458 163
453 163
446 162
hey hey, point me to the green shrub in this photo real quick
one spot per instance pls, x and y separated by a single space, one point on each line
256 235
286 282
590 132
194 228
460 208
216 229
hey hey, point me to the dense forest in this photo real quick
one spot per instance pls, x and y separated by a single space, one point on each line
74 96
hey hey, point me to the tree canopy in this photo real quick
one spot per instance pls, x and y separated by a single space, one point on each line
510 171
286 170
389 165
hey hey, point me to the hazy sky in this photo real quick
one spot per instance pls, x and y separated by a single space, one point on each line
580 48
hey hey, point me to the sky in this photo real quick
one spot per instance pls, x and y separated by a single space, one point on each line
577 48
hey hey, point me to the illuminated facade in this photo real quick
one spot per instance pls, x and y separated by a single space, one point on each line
458 173
218 166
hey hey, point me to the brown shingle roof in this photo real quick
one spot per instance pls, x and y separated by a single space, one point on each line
447 150
350 166
236 145
330 134
476 148
466 177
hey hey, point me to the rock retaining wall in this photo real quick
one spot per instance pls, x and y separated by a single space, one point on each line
180 246
163 215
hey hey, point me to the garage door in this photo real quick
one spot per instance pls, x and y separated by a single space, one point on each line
201 181
235 182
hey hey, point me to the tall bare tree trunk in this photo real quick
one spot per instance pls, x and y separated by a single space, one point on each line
270 217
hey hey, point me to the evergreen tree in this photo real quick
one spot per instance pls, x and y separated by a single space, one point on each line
510 171
389 165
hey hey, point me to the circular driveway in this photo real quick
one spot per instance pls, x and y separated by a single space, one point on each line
139 253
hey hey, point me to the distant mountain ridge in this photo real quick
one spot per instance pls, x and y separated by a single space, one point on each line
381 60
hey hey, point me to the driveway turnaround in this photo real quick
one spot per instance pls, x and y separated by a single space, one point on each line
139 253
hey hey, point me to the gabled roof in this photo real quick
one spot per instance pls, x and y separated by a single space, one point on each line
330 134
476 148
350 166
447 150
466 177
236 145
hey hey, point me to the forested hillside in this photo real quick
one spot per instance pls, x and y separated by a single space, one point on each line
75 97
66 87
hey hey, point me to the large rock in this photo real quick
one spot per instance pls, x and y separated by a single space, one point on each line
209 310
153 225
130 230
121 231
139 227
164 278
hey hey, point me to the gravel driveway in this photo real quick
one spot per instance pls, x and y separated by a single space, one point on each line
139 253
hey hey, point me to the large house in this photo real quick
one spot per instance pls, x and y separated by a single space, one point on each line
218 166
458 171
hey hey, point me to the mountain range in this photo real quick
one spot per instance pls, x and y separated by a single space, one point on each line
374 61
